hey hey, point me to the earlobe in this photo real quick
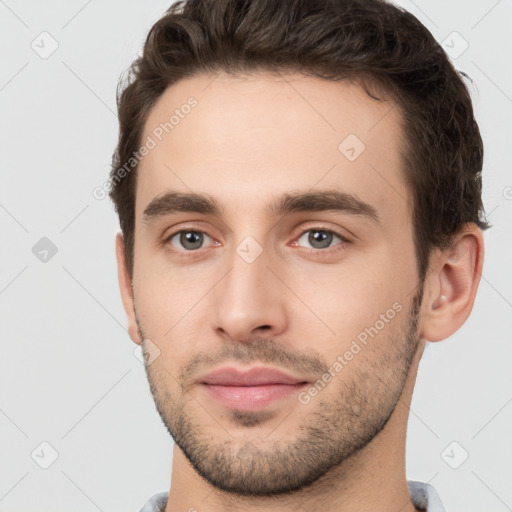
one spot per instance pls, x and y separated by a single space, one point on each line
126 289
452 285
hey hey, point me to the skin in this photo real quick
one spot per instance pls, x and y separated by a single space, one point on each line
251 139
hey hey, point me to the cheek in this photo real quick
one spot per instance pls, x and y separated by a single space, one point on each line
351 302
164 302
176 310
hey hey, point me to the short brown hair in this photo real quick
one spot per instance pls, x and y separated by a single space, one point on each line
368 41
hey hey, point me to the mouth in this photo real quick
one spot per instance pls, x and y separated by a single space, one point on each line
251 389
250 398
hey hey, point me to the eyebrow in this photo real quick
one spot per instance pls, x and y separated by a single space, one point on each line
310 201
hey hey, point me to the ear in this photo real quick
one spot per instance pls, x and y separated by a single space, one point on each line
451 285
125 285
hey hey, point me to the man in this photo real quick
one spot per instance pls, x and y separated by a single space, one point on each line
299 192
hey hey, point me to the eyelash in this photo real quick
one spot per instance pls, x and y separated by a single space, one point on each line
334 249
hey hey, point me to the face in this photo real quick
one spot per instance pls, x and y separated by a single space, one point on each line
299 256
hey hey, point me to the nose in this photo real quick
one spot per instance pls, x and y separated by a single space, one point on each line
249 301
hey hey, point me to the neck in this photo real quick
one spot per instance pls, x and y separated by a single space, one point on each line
371 479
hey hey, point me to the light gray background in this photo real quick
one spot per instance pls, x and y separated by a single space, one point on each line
68 374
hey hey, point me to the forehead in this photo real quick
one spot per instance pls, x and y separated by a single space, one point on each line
247 139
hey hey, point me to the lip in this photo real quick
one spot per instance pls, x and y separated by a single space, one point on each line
251 389
255 376
250 398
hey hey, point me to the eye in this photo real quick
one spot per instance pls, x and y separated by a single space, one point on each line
188 239
320 238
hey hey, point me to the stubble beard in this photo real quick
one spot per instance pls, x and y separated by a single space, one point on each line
335 429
